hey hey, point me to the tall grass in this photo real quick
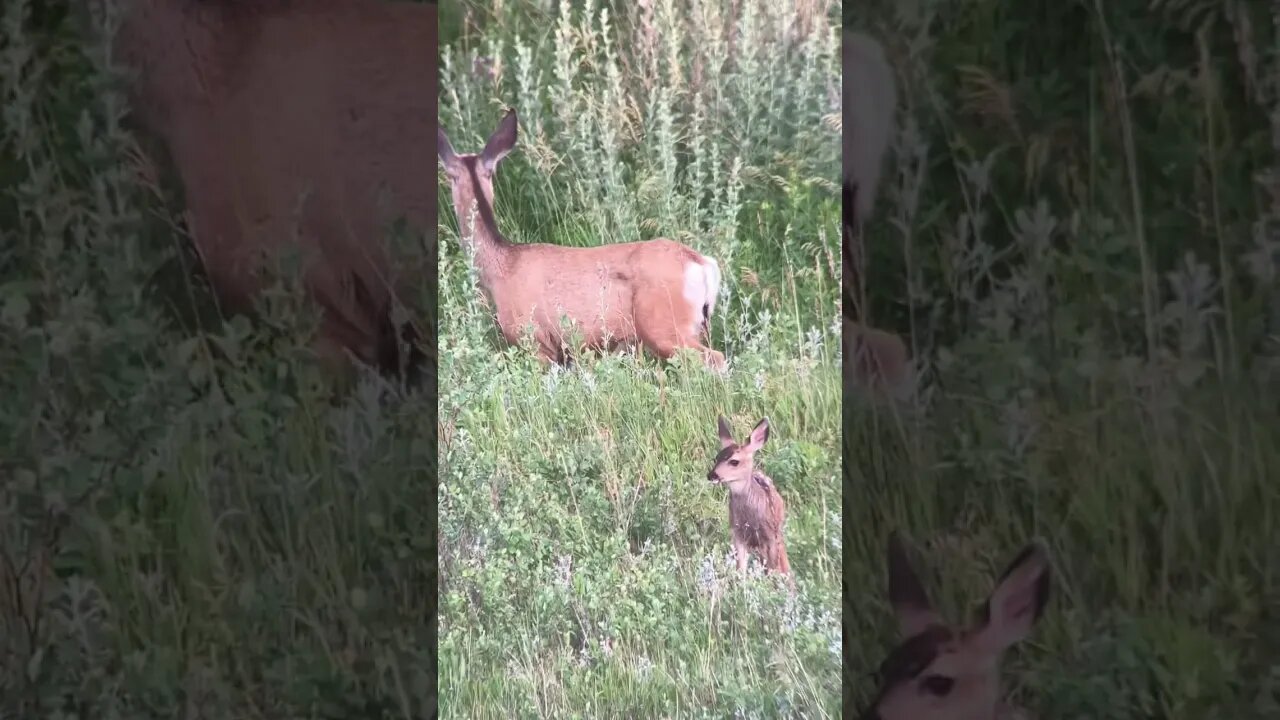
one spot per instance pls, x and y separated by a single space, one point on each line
1081 245
585 568
192 523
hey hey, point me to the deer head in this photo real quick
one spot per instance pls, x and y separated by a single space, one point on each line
735 462
471 175
941 672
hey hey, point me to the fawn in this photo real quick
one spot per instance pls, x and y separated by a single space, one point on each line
756 510
940 672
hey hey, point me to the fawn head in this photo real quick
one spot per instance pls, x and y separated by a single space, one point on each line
735 462
941 672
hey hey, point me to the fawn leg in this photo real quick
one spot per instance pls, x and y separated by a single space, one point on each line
785 568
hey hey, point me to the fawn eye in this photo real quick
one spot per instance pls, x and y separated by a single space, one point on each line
733 463
938 685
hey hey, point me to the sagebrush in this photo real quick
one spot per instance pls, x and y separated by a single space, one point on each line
1079 240
586 562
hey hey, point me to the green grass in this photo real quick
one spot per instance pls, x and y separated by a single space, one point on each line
585 567
1096 319
191 520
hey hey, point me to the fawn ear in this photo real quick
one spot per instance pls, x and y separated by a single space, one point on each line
906 593
759 435
444 148
500 142
726 436
1018 600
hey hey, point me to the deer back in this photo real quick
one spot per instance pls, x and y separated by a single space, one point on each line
608 289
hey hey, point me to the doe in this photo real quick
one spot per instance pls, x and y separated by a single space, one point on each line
280 138
873 358
940 672
658 293
756 510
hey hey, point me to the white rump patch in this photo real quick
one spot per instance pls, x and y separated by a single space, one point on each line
870 98
713 284
701 286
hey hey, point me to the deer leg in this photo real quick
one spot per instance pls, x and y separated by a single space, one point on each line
659 331
549 348
784 566
666 350
741 551
659 340
713 358
551 355
776 561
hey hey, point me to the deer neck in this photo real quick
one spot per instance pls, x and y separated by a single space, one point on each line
750 488
480 235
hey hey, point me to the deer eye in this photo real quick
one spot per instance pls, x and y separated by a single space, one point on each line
938 685
733 463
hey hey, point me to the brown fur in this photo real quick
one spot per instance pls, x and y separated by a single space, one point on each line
941 672
615 295
877 358
304 123
757 513
873 358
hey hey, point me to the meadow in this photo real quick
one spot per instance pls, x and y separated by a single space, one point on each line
1079 240
585 560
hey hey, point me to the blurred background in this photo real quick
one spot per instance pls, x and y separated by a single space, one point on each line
195 520
1078 237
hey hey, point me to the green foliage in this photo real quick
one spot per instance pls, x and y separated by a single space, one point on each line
585 567
1088 275
191 521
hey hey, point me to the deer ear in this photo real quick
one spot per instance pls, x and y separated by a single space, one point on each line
1018 600
759 435
726 435
444 148
500 142
906 593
